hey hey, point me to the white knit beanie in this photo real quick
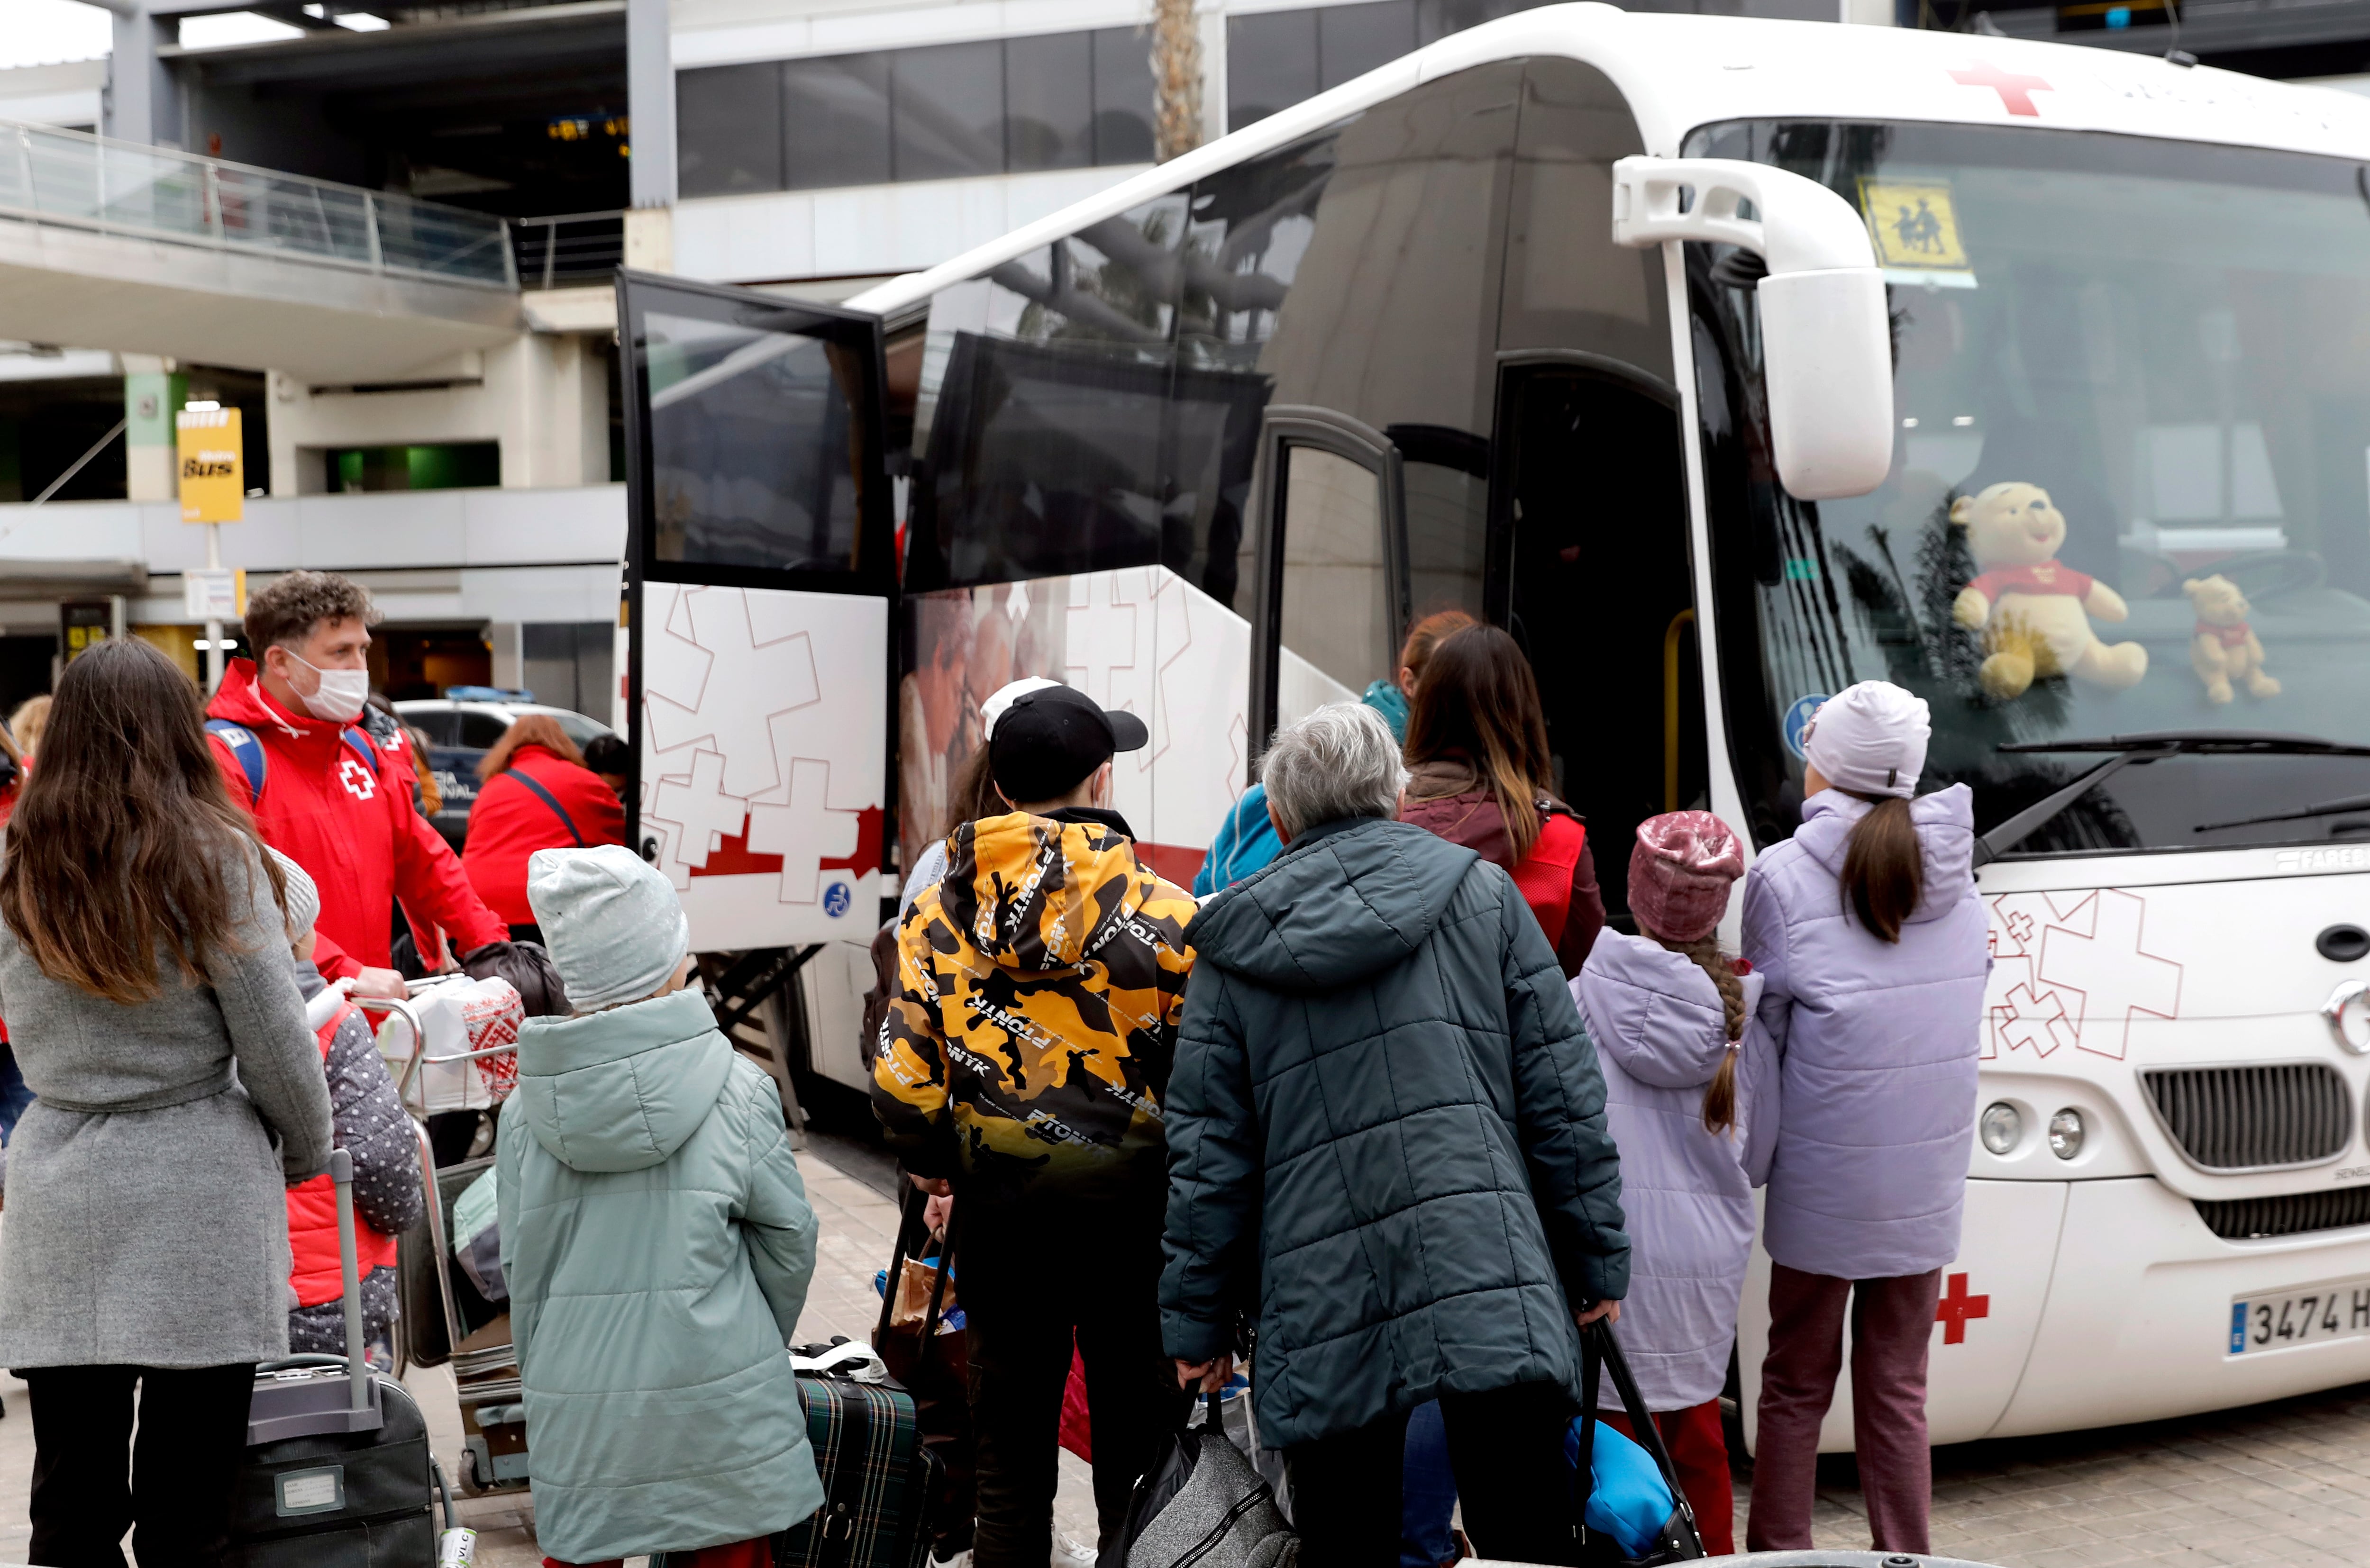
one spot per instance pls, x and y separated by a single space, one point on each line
614 927
303 899
1869 739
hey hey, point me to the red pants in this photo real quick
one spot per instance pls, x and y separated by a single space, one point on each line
758 1553
1892 1324
1699 1451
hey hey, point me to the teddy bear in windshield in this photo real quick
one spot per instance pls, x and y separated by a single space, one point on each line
2033 611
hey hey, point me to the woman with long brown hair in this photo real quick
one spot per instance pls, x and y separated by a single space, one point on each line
151 1001
537 794
1479 775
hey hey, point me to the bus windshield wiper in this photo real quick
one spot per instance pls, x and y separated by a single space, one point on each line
2326 808
2150 746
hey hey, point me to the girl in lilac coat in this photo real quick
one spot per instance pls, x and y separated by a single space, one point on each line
1689 1097
1869 937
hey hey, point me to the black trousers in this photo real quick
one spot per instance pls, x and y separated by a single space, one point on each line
1021 1321
192 1438
1506 1447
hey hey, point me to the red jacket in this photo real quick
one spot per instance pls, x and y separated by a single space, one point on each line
355 831
510 822
1446 797
316 1272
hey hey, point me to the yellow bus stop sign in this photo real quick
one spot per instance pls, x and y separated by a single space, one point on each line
213 478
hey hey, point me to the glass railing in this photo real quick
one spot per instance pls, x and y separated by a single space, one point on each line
78 180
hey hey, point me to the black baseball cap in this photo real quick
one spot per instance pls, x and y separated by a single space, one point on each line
1043 741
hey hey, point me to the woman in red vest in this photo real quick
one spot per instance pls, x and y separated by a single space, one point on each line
1477 752
538 794
372 1126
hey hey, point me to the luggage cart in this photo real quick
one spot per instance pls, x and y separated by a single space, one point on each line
438 1324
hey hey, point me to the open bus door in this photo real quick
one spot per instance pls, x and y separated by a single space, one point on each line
759 569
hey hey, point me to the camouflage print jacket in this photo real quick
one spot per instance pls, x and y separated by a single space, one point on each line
1039 987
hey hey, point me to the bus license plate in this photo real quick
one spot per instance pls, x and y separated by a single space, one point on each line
2338 1311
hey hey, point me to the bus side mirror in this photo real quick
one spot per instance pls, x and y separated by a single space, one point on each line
1826 339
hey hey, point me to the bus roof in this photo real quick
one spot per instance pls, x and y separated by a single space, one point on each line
1680 72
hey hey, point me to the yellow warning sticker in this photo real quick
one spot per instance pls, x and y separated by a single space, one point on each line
1913 225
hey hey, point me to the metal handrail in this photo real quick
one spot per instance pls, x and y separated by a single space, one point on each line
117 176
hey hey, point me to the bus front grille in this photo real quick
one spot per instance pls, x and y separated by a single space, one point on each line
2253 1118
2292 1214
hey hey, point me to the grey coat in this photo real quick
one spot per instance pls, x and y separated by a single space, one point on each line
147 1221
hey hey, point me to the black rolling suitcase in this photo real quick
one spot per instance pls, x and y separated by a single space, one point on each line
337 1471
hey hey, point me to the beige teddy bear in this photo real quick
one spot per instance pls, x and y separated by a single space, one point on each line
2225 649
2035 614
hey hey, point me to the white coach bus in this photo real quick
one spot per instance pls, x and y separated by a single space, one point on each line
2085 332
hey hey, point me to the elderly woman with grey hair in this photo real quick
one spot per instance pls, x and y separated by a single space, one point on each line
1387 1148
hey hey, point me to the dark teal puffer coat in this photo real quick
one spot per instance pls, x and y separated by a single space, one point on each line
1386 1136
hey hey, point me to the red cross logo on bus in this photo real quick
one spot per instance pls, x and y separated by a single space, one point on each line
1957 1307
2015 92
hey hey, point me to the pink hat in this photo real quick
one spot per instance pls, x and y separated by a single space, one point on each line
1680 872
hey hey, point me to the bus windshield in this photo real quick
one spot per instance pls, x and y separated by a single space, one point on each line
2130 481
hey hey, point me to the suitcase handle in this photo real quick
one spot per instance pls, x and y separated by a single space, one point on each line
341 1176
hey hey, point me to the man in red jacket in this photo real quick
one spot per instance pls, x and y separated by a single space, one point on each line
290 746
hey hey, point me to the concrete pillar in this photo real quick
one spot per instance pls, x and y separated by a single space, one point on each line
510 661
143 101
154 392
650 101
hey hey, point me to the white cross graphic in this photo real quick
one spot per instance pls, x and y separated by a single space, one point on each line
674 666
702 810
1100 636
2105 975
2038 1024
735 716
805 833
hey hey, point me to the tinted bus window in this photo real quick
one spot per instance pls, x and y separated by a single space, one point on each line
1335 616
745 426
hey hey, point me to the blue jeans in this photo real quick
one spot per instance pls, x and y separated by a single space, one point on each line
1427 1491
14 1095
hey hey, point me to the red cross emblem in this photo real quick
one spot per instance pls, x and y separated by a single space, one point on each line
1957 1307
2015 92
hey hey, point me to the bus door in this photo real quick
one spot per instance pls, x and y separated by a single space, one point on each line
1331 571
760 564
1589 570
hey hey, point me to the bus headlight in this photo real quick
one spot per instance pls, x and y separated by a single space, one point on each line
2002 1128
2065 1133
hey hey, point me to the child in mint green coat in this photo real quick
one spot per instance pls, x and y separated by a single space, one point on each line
656 1241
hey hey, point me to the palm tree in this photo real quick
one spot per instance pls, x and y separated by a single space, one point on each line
1176 79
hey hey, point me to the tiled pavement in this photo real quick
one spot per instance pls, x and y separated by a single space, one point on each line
2286 1483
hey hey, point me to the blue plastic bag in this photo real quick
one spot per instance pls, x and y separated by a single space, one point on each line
1629 1500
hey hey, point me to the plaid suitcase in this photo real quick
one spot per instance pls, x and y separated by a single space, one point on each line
878 1479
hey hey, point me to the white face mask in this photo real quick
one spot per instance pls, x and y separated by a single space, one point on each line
342 695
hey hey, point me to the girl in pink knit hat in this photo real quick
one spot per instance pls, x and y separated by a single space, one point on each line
1686 1078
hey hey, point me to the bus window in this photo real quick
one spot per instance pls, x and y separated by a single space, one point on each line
1445 475
1041 412
731 489
1334 593
1335 615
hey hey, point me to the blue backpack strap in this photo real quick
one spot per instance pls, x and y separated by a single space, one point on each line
549 799
361 744
245 749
